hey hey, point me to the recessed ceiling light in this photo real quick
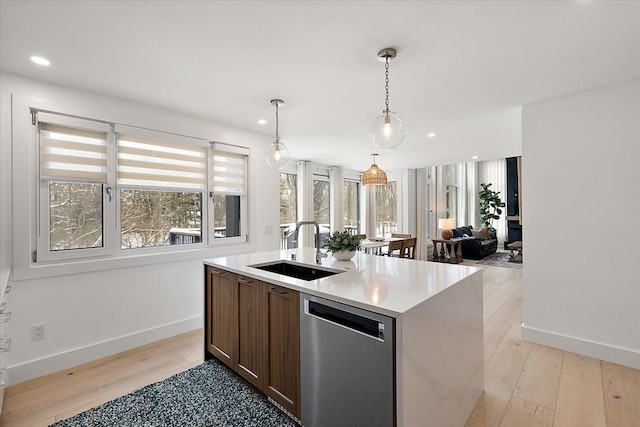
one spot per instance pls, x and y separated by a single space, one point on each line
39 60
262 122
474 157
431 135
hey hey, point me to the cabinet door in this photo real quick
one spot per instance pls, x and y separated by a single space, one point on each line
222 317
252 330
284 348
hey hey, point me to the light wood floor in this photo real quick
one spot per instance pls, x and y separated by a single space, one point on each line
525 384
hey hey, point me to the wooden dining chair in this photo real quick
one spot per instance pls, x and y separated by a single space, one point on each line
409 248
395 245
404 236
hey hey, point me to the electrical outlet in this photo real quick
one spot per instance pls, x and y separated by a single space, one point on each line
37 332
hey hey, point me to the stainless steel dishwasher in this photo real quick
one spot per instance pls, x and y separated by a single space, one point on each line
347 373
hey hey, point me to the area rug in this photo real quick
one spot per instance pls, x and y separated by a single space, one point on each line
501 259
207 395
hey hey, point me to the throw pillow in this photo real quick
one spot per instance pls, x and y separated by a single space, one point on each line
478 234
485 230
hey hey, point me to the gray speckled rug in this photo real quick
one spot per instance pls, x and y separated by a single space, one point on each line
501 259
207 395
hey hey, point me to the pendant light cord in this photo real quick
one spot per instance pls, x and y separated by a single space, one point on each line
386 85
277 136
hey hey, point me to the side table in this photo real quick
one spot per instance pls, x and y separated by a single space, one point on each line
450 250
515 246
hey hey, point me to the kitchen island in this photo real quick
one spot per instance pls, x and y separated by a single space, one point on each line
437 320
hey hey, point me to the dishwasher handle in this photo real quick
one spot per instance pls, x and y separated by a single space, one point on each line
363 325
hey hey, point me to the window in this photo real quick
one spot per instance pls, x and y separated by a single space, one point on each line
451 188
288 208
352 206
73 174
229 183
75 215
321 202
151 218
322 205
288 198
452 201
106 188
161 185
386 209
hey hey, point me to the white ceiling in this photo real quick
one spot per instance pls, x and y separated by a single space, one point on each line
463 69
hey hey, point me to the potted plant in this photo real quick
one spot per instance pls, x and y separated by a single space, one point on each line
490 205
342 245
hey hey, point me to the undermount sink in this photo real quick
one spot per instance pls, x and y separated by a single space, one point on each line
295 270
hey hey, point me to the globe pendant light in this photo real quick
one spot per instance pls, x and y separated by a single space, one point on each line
278 154
387 130
374 175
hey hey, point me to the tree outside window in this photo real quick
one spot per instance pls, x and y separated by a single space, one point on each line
387 209
321 202
288 208
321 206
351 206
75 215
158 218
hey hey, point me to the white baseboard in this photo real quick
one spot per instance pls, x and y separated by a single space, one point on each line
68 359
609 353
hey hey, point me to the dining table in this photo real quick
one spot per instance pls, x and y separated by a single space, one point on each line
374 245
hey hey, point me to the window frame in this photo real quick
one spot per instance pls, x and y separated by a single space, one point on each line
161 136
284 238
282 172
111 250
243 236
358 184
450 184
43 234
320 177
397 207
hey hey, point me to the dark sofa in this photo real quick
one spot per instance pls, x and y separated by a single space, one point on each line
475 245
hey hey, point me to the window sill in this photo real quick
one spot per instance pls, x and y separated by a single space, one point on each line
89 265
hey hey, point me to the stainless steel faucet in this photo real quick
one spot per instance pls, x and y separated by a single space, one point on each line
295 237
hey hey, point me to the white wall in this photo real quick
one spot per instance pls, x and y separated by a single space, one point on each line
581 200
93 314
5 187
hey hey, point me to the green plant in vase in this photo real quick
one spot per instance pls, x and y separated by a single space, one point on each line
490 205
342 244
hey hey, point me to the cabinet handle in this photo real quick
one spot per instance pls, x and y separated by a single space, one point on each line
217 272
244 281
276 291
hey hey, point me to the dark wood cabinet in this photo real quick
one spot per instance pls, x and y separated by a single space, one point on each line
284 348
222 315
254 328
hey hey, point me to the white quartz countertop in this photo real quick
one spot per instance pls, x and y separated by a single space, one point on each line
382 284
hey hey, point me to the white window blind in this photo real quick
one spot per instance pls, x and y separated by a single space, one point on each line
72 154
229 171
146 162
